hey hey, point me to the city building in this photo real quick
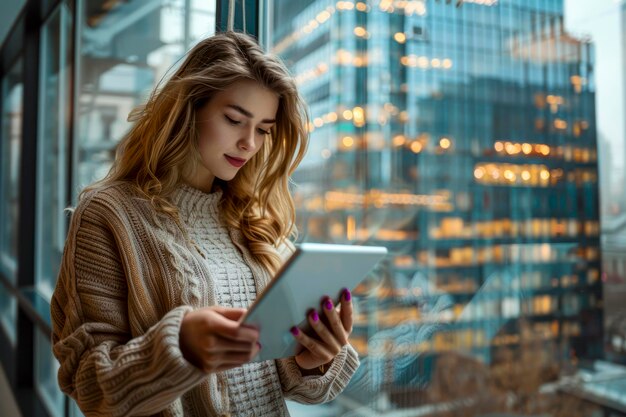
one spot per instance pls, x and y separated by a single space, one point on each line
461 135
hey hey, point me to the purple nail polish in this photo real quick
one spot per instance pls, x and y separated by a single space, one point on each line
346 294
314 316
295 331
328 304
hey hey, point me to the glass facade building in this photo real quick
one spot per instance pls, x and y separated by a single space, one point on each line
461 135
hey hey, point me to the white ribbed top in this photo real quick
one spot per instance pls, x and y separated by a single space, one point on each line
254 389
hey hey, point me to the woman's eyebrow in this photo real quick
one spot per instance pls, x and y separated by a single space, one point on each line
248 114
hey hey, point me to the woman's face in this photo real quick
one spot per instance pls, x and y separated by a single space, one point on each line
232 127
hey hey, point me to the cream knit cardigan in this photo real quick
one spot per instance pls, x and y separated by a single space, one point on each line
127 278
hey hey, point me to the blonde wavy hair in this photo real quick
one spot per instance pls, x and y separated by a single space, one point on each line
160 150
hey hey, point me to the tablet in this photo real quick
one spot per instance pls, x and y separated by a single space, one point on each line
313 271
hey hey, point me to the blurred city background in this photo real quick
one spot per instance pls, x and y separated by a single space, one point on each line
481 141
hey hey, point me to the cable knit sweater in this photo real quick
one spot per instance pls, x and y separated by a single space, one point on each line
127 278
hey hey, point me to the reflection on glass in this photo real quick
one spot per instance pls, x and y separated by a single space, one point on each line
125 49
462 136
53 147
11 142
8 314
46 368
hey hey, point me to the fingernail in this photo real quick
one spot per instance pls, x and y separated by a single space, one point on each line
314 315
346 294
259 345
328 304
295 331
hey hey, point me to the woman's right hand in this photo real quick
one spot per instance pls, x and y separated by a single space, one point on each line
212 339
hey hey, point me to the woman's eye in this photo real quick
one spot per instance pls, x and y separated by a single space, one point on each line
232 121
264 132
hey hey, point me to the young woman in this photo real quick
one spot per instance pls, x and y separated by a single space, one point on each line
164 255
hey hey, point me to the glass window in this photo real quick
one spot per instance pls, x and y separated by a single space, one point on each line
8 314
604 23
53 155
11 145
74 410
46 369
473 159
124 50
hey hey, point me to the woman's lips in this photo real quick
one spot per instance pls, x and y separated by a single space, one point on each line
236 162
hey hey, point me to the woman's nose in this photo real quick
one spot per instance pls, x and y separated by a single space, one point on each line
246 143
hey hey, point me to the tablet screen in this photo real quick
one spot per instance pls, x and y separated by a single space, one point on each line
314 270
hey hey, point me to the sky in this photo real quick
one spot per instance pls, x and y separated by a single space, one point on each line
601 20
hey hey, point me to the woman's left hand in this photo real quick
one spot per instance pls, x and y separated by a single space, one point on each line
331 334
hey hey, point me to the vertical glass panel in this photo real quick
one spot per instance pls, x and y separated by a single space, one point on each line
46 368
462 136
607 32
8 314
74 410
124 50
11 146
53 155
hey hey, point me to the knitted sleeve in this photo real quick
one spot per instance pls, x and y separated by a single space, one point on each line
317 389
102 367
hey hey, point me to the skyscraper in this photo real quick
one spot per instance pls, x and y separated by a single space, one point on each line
461 135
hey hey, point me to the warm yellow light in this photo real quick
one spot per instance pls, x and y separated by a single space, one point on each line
326 153
447 63
545 149
527 148
445 143
360 31
351 228
498 146
362 7
422 62
318 122
332 116
322 16
344 57
399 140
560 124
479 173
545 174
347 141
510 148
435 62
358 113
345 5
509 175
347 114
400 37
525 175
416 147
